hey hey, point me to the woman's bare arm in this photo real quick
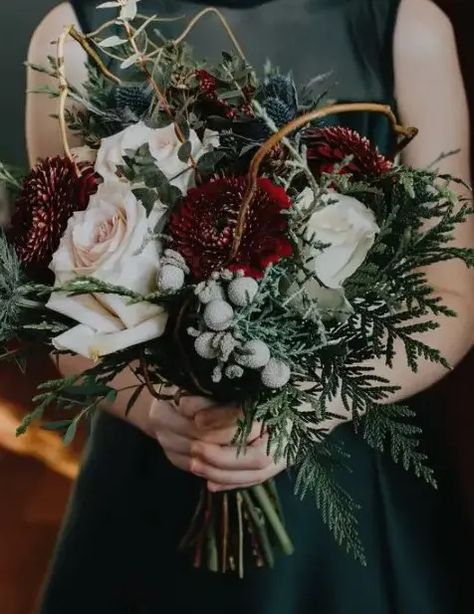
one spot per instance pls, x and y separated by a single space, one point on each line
44 139
42 131
431 96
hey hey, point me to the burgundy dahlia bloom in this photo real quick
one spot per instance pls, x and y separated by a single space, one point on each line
50 195
203 227
330 146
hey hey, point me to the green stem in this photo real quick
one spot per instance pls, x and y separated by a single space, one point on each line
211 546
255 543
273 490
258 520
224 531
193 529
271 514
240 553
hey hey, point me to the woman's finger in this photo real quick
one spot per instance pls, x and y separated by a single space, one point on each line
172 442
272 471
226 436
189 406
164 417
218 418
227 457
230 476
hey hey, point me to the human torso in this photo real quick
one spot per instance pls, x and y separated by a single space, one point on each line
350 41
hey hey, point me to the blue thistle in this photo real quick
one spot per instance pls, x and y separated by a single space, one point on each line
279 97
135 99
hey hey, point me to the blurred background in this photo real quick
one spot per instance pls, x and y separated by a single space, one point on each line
36 472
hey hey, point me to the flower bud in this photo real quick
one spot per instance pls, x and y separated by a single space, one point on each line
218 315
170 278
242 291
254 355
204 346
276 374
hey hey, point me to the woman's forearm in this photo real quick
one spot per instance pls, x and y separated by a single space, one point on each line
453 338
125 383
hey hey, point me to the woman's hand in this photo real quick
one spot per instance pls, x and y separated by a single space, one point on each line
197 435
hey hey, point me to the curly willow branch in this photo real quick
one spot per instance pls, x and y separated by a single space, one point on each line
197 18
407 134
84 43
83 40
63 94
70 31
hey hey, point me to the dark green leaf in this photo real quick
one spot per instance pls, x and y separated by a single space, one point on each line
134 398
87 389
208 162
111 396
127 172
169 194
184 151
162 76
147 197
231 96
158 119
59 425
153 177
71 432
181 124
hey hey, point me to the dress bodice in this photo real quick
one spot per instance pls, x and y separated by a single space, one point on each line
349 40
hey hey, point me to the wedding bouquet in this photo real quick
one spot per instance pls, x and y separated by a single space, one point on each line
213 233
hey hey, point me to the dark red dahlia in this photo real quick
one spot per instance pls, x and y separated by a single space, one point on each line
50 194
203 227
330 146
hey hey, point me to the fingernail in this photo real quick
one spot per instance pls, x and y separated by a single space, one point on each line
196 468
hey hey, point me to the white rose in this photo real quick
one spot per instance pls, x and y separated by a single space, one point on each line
113 148
347 226
104 242
164 145
331 303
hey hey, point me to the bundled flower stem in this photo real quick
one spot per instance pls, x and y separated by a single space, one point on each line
229 528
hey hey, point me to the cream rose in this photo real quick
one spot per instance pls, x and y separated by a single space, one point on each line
106 242
164 145
113 148
347 226
330 303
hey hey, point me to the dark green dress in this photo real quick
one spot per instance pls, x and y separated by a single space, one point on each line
117 553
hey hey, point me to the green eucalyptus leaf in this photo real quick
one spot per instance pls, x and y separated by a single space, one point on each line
184 151
59 425
127 172
181 124
147 197
207 162
153 177
70 432
86 389
169 194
